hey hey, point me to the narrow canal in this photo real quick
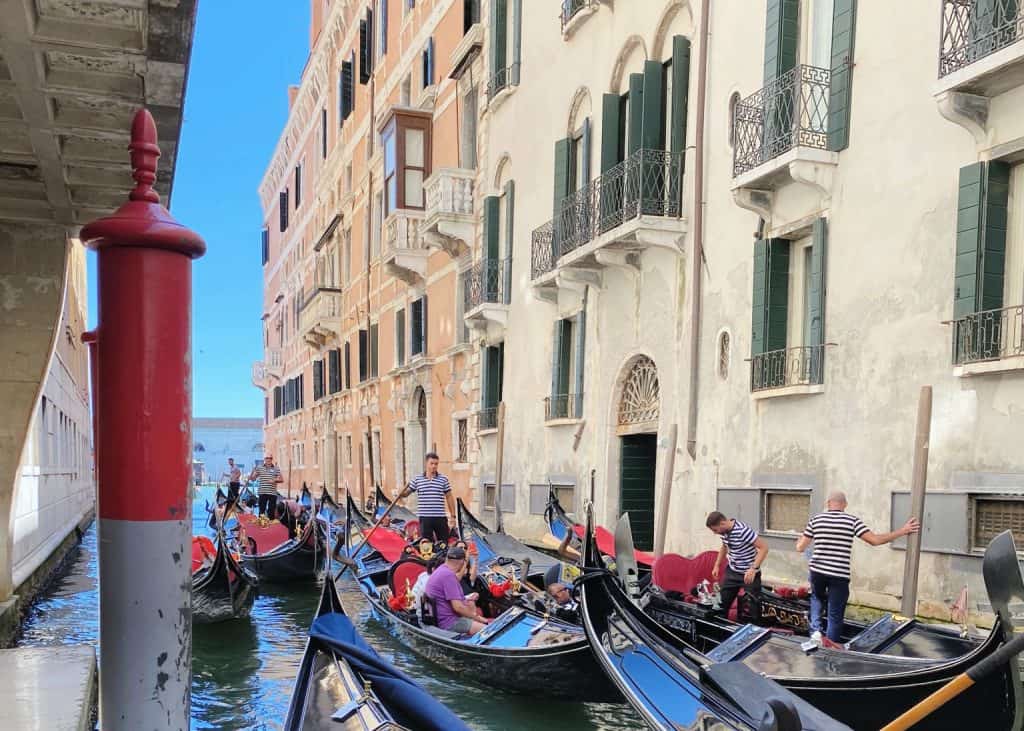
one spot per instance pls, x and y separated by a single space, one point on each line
243 670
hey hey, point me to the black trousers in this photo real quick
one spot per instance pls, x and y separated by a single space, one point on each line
731 585
268 505
233 488
436 529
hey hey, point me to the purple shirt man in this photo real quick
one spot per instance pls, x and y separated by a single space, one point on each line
454 612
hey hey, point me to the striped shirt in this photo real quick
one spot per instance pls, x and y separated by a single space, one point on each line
267 477
740 543
833 533
430 492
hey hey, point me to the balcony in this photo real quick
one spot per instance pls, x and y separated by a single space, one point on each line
320 319
266 372
405 255
487 419
631 207
485 290
575 13
467 50
448 220
781 136
501 86
981 55
788 372
991 341
562 407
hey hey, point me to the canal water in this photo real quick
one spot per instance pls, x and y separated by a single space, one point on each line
243 670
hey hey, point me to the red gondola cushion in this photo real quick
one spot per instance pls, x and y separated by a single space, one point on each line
402 572
412 530
673 572
391 545
201 547
268 537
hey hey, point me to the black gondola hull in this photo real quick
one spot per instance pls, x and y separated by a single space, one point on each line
300 560
224 591
570 673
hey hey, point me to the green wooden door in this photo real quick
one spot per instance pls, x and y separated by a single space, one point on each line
636 489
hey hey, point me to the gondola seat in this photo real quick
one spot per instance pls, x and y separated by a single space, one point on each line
403 575
672 572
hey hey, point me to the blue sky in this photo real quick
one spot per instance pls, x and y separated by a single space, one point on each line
245 54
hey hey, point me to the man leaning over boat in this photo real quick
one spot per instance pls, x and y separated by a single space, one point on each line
745 551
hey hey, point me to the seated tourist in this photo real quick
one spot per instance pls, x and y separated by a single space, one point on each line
472 583
454 610
565 606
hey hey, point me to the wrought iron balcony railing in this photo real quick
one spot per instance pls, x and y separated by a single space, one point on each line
803 365
485 283
973 29
563 406
989 335
647 183
792 111
571 7
487 418
502 79
543 256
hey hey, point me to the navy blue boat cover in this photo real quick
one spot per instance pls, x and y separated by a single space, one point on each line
404 699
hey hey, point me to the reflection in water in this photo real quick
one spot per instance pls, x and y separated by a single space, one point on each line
243 670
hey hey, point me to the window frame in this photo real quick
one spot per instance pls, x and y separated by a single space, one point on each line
766 493
973 500
394 131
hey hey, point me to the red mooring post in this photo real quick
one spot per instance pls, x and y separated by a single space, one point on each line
143 413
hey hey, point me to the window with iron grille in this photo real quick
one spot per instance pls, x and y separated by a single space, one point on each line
298 186
786 511
318 380
400 338
333 372
364 355
282 204
992 515
418 326
462 434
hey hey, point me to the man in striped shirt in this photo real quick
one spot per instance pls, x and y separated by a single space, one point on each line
832 534
746 552
435 499
269 477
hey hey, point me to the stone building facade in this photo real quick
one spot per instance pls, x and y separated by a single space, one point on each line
855 204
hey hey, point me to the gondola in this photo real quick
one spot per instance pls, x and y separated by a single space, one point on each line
862 687
560 524
275 557
675 599
496 545
222 589
329 509
343 683
306 498
671 686
400 515
521 650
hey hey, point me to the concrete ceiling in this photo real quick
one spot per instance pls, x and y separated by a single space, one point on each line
72 73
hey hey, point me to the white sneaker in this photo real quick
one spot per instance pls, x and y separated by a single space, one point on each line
816 637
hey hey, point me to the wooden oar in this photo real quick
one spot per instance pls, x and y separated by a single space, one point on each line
348 561
958 685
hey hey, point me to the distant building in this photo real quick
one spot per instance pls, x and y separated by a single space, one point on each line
214 440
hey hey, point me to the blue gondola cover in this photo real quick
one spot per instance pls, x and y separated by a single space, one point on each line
408 702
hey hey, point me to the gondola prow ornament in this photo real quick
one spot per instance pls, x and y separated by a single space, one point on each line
143 411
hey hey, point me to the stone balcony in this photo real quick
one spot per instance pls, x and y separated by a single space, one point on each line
781 137
405 253
631 207
320 319
266 372
981 55
486 288
448 219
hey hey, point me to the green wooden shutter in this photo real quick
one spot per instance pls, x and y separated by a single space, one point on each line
364 347
426 323
782 32
581 343
400 337
844 17
778 294
816 306
680 92
517 40
565 356
652 134
492 207
758 318
585 151
348 365
969 226
634 135
556 354
993 254
499 39
611 106
493 377
561 190
510 214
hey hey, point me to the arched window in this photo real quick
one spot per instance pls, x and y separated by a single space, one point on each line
641 396
734 102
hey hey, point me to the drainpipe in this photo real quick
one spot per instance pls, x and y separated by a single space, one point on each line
698 233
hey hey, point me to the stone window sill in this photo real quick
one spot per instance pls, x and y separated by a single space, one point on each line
800 390
562 422
985 367
486 432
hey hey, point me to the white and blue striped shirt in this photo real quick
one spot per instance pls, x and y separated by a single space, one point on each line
740 543
430 492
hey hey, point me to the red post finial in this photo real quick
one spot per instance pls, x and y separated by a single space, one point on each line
144 154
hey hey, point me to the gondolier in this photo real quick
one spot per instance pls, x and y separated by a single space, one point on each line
435 499
234 476
832 534
746 552
268 476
